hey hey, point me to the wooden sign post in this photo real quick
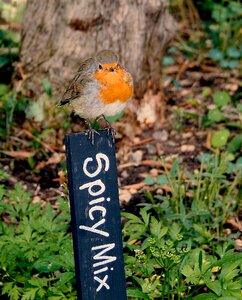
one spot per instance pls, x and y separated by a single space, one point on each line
95 216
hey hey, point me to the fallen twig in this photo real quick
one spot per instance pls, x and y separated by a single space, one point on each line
143 142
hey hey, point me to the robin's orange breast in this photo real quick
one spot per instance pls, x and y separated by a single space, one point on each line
116 85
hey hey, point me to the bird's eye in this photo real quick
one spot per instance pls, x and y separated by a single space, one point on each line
100 67
111 69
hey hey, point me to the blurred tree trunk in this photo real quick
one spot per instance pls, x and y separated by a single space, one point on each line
57 35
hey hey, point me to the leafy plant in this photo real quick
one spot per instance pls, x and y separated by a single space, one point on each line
9 38
36 250
224 30
155 266
174 248
221 113
163 265
218 25
182 117
220 273
220 138
11 106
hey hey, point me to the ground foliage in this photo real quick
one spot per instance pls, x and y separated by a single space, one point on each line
179 163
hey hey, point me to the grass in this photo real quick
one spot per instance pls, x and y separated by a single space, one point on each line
175 248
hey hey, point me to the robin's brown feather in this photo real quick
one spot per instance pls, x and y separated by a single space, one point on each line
101 86
77 84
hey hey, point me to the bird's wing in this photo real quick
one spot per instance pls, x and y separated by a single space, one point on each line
76 85
73 90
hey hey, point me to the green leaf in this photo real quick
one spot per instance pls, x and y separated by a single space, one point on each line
3 89
215 115
224 63
162 180
220 138
234 288
174 230
174 170
234 125
203 231
215 54
230 297
239 106
131 292
47 86
7 287
41 292
190 270
168 60
3 175
4 61
221 98
230 270
233 53
132 217
27 233
172 50
215 286
207 91
45 265
31 162
233 64
14 293
2 192
38 282
207 296
145 216
236 7
149 180
187 271
231 275
156 228
29 294
239 161
58 297
235 144
65 277
230 258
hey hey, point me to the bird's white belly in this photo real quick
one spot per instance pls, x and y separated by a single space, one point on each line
91 107
114 108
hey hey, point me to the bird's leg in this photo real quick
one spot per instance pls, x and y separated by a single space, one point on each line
90 131
110 130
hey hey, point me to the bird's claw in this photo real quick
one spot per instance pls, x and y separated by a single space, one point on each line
91 133
111 132
109 129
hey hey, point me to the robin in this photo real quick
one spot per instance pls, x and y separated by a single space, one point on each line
100 88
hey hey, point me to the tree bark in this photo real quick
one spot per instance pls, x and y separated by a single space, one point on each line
58 34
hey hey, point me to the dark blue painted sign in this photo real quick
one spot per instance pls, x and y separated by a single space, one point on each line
95 214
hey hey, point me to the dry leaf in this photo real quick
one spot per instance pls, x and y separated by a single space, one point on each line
19 154
56 158
187 148
124 196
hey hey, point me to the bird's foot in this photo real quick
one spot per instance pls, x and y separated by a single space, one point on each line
108 127
111 131
91 134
